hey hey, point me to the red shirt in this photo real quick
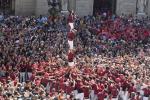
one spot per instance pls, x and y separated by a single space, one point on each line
146 92
101 72
69 89
70 57
94 87
44 81
22 68
132 89
1 97
71 36
101 87
70 18
2 79
146 34
114 91
12 76
87 70
15 82
86 92
101 96
78 85
62 86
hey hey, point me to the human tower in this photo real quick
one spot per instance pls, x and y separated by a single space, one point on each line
71 36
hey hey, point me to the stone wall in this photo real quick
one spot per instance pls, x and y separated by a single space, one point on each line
149 8
81 7
84 7
41 7
24 7
126 7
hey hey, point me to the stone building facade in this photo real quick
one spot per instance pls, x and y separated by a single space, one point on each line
81 7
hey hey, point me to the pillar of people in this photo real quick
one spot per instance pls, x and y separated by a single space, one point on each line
71 35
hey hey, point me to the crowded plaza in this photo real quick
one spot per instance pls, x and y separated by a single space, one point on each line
95 57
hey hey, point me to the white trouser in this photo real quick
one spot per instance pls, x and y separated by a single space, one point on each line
80 96
141 92
71 26
92 96
95 97
48 87
145 98
75 92
22 77
71 64
70 44
123 95
114 99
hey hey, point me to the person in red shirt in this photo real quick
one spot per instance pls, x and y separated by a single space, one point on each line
71 35
95 88
146 34
29 70
101 71
114 91
70 56
146 93
86 92
12 75
85 88
44 80
132 89
68 86
101 95
71 17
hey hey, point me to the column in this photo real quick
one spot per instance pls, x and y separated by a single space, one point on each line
13 5
114 6
64 5
72 5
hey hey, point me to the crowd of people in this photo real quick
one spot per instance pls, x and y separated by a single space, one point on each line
111 56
